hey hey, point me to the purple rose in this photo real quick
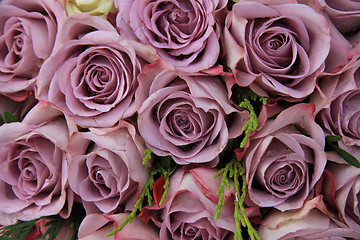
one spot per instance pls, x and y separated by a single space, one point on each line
312 222
189 118
285 159
92 78
277 49
345 15
341 118
184 33
106 167
330 86
34 164
347 191
189 208
27 35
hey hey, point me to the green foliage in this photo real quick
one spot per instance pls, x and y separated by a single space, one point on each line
147 157
17 231
164 167
20 229
234 171
8 117
332 141
248 100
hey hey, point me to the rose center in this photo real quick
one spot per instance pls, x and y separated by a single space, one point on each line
97 175
179 16
29 172
182 123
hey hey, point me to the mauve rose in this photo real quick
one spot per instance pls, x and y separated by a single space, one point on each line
345 15
92 78
342 118
285 159
276 49
34 164
185 33
310 222
96 226
106 167
332 85
187 117
27 35
189 208
347 190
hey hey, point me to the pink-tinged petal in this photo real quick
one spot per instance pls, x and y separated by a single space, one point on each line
96 226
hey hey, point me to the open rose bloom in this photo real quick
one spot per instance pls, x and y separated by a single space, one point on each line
179 119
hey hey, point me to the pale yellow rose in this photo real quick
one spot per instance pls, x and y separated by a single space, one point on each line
93 7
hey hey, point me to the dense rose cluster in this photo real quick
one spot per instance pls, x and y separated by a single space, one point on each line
104 103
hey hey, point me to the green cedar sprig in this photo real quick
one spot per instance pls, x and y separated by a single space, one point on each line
147 157
246 99
234 171
17 231
164 167
20 229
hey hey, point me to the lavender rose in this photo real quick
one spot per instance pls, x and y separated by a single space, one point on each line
342 118
285 159
106 167
347 192
313 221
34 164
184 33
92 78
189 118
277 49
27 35
345 15
189 208
330 86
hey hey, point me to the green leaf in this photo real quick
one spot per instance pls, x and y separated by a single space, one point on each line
9 117
332 138
332 141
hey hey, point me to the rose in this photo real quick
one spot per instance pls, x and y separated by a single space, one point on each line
345 15
285 159
96 226
33 164
277 49
92 78
106 167
309 222
189 118
189 208
347 190
185 33
27 35
341 118
332 85
94 7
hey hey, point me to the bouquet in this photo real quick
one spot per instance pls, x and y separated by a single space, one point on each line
191 119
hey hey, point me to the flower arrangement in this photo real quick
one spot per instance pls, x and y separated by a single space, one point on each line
192 119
